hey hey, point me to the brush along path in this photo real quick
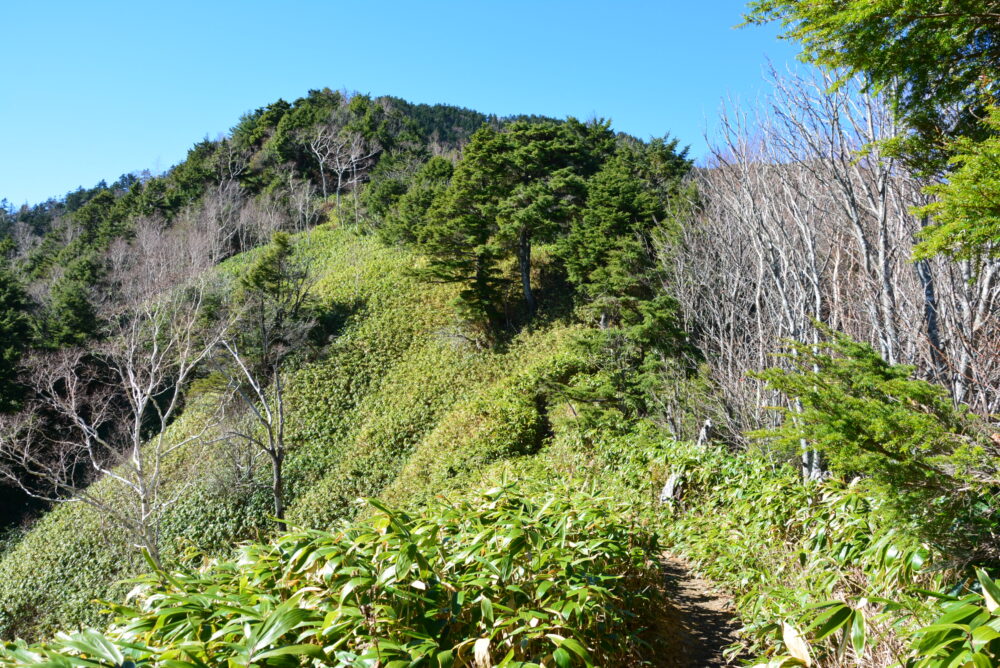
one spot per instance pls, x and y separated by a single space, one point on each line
697 625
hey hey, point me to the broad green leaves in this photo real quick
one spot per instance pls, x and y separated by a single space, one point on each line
500 579
967 632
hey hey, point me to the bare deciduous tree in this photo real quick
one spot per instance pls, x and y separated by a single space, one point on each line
103 412
346 154
271 323
803 217
302 208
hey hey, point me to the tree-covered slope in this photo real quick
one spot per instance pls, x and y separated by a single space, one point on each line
208 363
396 402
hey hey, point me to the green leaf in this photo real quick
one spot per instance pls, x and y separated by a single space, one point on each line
832 621
445 659
284 618
858 636
982 661
981 635
486 607
576 648
991 592
562 658
351 585
311 651
94 644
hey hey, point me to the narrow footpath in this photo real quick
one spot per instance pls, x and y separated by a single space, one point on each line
698 623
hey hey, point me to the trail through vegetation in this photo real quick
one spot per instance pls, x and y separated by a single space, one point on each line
697 624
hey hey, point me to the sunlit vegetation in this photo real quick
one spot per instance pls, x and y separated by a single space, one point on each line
368 383
529 576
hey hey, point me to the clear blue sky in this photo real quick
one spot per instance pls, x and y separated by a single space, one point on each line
91 90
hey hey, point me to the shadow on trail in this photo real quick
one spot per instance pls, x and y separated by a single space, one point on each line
697 623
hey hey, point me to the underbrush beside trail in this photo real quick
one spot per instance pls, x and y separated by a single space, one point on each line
827 572
396 405
515 576
822 572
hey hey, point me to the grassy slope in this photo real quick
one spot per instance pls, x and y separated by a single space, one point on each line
398 404
402 407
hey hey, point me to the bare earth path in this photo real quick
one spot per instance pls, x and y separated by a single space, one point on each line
698 623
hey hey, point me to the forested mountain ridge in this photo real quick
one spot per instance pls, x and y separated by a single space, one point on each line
368 383
227 357
279 152
54 274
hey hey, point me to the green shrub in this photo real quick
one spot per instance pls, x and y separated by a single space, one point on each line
871 418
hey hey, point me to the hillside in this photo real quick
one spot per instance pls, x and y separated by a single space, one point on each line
397 405
368 383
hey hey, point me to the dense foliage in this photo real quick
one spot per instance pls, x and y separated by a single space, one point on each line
825 566
14 334
938 60
870 418
509 578
966 215
571 185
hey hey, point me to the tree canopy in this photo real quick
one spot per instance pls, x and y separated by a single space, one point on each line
15 334
939 63
966 213
937 59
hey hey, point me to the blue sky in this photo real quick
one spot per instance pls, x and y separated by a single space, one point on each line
91 90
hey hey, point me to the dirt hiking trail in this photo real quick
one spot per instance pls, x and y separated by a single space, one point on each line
697 624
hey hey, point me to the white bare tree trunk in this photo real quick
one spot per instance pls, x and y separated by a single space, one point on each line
803 218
